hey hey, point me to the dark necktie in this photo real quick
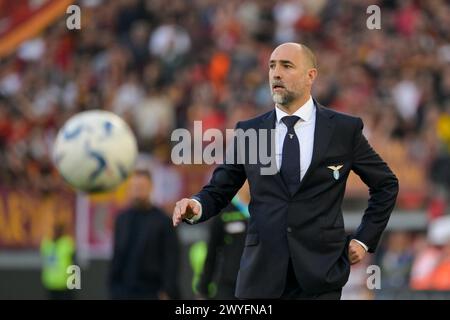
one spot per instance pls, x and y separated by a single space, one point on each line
290 161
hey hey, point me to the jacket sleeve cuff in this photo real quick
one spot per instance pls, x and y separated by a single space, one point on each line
363 245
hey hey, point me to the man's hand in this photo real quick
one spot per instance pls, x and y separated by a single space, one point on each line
184 209
356 252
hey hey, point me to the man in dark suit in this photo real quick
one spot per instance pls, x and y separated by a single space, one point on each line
296 245
146 252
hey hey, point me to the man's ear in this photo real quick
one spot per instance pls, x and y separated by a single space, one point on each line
312 74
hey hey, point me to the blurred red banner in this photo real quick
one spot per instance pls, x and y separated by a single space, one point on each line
23 19
25 217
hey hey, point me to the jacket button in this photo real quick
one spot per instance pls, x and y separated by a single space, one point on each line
289 229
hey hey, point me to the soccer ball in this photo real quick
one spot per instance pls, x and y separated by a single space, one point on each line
95 151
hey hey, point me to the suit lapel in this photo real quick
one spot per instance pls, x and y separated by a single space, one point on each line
323 132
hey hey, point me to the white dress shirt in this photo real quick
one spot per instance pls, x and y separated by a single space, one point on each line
304 129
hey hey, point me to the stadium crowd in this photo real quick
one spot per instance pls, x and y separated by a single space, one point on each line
163 64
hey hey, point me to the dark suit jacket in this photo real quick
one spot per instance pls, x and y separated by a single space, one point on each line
308 227
145 257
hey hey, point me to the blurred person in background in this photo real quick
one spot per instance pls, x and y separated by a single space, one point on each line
58 253
440 169
224 251
395 259
146 250
431 267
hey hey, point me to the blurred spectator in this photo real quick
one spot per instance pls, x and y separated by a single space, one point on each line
224 251
431 268
287 13
169 41
58 253
440 169
146 252
154 117
395 261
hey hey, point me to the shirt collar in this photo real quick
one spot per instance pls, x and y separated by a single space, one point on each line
304 112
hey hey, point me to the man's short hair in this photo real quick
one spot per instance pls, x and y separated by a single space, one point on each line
310 56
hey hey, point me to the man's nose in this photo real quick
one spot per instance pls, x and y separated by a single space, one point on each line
276 77
276 73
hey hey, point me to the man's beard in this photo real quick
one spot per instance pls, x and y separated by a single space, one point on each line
283 98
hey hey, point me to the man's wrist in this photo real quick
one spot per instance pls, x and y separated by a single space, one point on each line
362 245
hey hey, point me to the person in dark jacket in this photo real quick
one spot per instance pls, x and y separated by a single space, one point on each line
146 250
296 245
225 246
